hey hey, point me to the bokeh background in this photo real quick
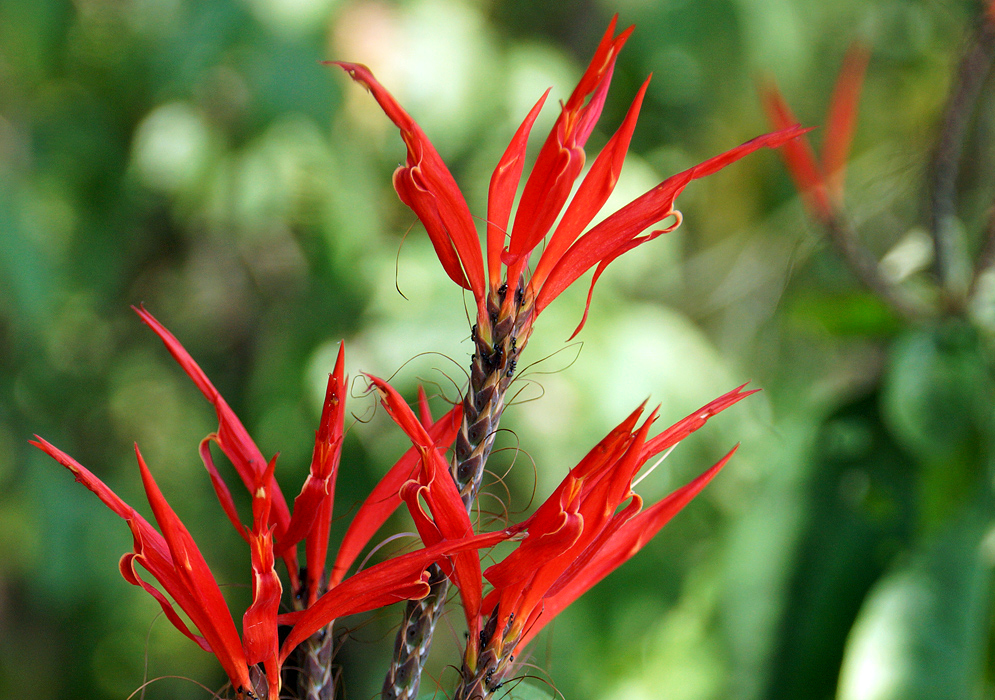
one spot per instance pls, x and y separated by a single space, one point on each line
194 156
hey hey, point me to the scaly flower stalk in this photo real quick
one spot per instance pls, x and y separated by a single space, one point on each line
508 298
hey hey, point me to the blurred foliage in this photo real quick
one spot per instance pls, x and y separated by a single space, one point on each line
197 158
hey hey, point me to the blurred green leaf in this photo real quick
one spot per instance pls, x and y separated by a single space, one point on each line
922 633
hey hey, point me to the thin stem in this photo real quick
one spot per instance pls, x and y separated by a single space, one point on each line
865 267
971 74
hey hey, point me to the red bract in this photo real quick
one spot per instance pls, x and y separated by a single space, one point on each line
426 185
174 560
822 183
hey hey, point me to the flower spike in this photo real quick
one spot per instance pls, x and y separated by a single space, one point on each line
185 580
512 300
587 527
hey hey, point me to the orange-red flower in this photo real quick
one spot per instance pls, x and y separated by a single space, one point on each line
579 535
425 184
173 559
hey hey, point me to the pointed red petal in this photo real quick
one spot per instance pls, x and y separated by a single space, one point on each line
259 624
842 118
621 228
443 499
684 427
425 184
231 437
385 497
208 609
150 550
424 410
220 487
561 158
502 191
567 522
319 486
127 568
594 191
626 541
798 155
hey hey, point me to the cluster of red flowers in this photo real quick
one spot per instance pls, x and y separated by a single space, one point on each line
588 526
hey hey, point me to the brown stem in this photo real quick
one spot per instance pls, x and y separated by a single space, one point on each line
971 75
492 369
414 639
312 675
865 267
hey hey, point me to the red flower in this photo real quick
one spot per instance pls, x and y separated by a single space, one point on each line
173 559
579 535
426 185
822 184
576 537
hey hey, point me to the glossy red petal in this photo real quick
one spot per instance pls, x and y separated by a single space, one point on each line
561 158
231 436
424 410
609 449
319 486
621 228
208 611
221 489
593 192
259 624
130 574
610 257
150 549
442 497
684 427
425 184
385 497
502 191
626 541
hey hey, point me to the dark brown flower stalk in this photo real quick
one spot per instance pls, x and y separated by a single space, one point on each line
315 679
491 372
507 299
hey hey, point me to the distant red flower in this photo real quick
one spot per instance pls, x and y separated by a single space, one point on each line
573 540
173 559
822 183
425 184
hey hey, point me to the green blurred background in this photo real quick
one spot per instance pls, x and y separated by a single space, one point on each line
195 157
